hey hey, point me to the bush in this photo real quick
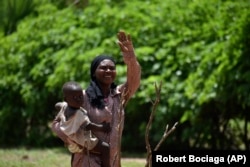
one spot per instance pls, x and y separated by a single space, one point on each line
199 50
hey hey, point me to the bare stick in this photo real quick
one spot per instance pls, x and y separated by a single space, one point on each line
148 146
165 135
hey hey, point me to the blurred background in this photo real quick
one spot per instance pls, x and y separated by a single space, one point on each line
198 50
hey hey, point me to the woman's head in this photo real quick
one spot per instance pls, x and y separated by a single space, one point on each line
103 70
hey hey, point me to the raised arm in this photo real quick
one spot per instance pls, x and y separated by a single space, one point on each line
133 66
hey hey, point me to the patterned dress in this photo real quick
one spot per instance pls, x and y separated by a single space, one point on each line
112 113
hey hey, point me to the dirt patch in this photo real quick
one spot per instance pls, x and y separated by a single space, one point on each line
140 160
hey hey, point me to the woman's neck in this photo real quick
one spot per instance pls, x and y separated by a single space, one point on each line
106 92
105 89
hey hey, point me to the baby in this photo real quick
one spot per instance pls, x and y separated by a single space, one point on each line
75 123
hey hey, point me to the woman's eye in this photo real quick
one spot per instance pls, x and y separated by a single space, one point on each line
103 68
107 68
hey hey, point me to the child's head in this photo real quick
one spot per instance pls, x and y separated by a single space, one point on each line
72 93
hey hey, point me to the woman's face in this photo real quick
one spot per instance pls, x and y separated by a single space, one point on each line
105 73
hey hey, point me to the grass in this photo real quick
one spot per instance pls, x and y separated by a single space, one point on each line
55 157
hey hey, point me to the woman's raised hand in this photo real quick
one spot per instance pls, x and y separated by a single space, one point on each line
126 47
125 42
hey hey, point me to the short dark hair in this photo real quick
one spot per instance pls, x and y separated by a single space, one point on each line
71 86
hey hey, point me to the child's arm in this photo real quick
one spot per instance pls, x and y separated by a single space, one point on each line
99 127
59 105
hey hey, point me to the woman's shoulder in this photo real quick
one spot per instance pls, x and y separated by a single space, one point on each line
84 94
86 104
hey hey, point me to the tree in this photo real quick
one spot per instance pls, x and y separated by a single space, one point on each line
13 11
199 50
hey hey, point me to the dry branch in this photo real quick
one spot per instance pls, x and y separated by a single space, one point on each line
166 133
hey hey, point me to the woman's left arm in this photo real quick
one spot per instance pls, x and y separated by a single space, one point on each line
133 66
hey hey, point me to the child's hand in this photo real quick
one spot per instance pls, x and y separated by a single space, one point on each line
106 127
73 147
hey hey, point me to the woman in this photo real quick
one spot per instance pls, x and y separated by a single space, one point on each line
105 102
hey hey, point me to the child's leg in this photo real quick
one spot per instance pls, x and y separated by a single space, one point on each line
103 148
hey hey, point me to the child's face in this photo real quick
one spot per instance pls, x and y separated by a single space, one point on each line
75 98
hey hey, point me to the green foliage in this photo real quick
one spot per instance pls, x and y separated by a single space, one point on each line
198 49
12 11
